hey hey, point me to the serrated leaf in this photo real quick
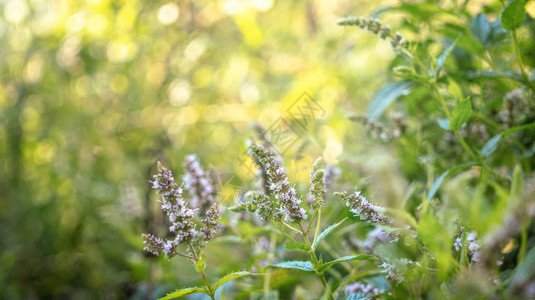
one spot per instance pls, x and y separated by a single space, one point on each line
298 247
442 59
491 145
514 15
232 276
329 264
184 292
300 265
461 113
385 96
325 232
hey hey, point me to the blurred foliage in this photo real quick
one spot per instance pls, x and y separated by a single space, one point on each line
93 93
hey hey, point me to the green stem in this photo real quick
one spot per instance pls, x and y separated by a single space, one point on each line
521 62
317 228
267 278
523 243
315 262
206 283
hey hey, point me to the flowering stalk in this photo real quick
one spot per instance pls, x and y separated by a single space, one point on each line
182 218
283 208
361 207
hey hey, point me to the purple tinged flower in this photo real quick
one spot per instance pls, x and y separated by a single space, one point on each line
279 184
180 216
361 207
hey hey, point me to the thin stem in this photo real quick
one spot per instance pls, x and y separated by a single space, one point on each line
281 229
206 283
317 228
315 262
523 242
267 278
521 62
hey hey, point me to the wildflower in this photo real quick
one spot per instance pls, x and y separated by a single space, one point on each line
378 130
516 108
397 41
396 268
279 184
317 185
361 207
180 217
363 288
373 237
260 204
198 183
472 245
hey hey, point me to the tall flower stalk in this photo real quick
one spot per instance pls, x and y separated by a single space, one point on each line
188 241
283 209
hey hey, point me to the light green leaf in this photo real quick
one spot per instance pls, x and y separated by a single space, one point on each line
300 265
200 264
298 247
444 123
461 113
329 264
232 276
326 232
184 292
491 145
385 96
514 15
442 59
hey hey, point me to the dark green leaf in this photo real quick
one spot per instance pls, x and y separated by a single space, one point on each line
514 15
300 265
329 264
232 276
325 232
297 246
386 95
461 113
184 292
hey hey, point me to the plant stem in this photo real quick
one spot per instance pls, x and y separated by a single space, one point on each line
206 283
315 262
521 62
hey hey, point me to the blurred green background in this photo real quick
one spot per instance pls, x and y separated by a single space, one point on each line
93 93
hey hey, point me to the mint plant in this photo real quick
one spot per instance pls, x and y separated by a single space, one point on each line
189 242
283 210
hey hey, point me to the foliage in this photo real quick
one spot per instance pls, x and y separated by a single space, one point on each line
431 116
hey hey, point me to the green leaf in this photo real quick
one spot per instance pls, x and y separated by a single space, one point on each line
444 123
325 232
232 276
442 59
385 96
514 15
184 292
200 264
492 74
447 173
435 237
300 265
298 247
329 264
461 113
491 145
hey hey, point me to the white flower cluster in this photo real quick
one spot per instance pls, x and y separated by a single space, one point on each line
198 183
472 245
363 288
361 207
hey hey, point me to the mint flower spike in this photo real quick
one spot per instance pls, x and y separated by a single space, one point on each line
361 207
397 41
317 185
287 202
181 218
198 184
